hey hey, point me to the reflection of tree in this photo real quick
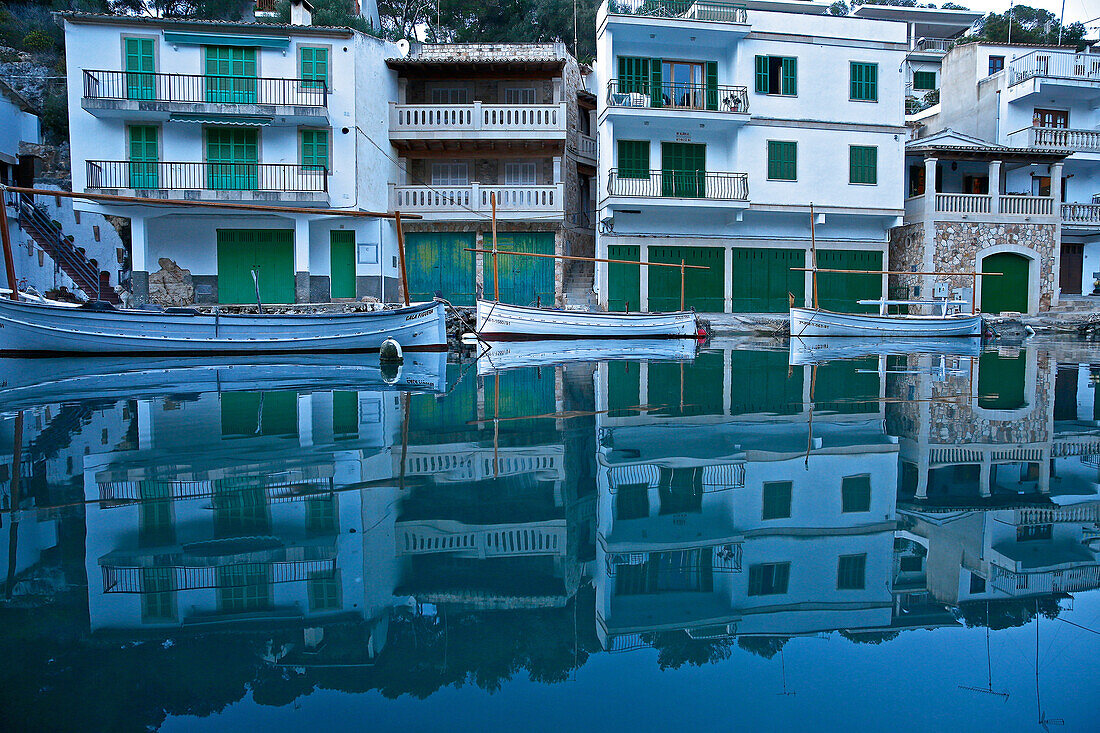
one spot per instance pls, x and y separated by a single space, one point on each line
764 646
676 648
1006 614
869 637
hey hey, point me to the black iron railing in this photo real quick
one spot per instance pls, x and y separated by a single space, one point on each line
716 10
679 184
166 176
209 88
676 95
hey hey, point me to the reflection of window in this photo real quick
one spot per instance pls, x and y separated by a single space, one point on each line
1035 532
158 598
323 588
321 514
856 493
240 508
977 583
449 95
769 579
681 490
632 502
345 413
777 500
157 524
850 571
667 572
450 174
244 588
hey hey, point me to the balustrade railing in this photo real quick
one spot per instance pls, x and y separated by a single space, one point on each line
1081 213
679 184
167 176
586 146
1068 580
1085 513
963 203
714 10
1063 139
1027 205
207 88
676 95
1063 64
474 198
503 541
477 116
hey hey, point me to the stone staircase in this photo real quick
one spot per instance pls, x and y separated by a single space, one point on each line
1077 304
580 278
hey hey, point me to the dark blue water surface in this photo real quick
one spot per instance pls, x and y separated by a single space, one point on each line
757 536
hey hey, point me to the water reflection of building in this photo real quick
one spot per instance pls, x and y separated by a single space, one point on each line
724 511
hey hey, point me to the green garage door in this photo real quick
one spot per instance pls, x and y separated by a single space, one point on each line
762 278
839 291
270 252
705 289
624 281
523 280
1008 293
439 261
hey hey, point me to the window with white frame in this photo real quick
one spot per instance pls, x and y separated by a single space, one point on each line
450 174
519 95
449 95
519 174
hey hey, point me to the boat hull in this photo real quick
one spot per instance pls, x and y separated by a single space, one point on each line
532 353
504 322
33 328
816 322
814 350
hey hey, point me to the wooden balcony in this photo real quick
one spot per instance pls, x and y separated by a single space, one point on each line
477 126
459 203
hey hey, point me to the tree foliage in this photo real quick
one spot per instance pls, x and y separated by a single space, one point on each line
335 13
1029 25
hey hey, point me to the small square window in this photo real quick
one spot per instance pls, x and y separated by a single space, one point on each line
777 500
924 80
856 494
864 82
782 160
977 584
769 579
850 572
996 63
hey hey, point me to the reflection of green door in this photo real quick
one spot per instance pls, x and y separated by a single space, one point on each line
231 157
1001 381
1007 293
270 252
839 291
342 263
762 279
439 261
247 414
761 383
623 281
683 170
693 388
140 65
704 289
230 74
623 388
523 280
445 418
143 156
524 393
848 387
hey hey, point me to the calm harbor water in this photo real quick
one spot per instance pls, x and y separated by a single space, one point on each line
754 537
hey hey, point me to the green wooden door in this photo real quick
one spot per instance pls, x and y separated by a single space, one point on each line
763 278
1007 293
143 156
439 261
524 280
230 74
270 252
623 281
232 154
704 289
342 263
762 383
1002 381
683 170
839 291
140 66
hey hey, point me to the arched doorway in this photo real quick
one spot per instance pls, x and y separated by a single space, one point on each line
1009 292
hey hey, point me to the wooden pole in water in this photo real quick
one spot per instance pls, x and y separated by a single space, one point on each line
16 474
400 257
496 279
681 284
9 259
813 251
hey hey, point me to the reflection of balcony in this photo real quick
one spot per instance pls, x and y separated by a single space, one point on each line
1067 580
158 96
121 493
428 536
1084 513
713 478
720 11
705 186
213 181
520 201
678 96
118 579
467 463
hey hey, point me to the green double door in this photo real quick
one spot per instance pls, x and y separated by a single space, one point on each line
624 281
231 75
140 67
232 156
270 252
438 261
763 280
1008 292
704 290
839 291
523 280
683 170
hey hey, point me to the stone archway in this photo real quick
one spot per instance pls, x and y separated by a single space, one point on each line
1017 289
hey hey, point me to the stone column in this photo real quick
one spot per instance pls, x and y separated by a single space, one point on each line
305 420
930 186
301 260
643 278
995 187
1056 187
139 268
928 259
985 475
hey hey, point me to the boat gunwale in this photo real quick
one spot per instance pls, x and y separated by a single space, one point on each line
889 317
130 313
587 314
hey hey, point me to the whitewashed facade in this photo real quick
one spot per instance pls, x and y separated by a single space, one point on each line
718 126
268 114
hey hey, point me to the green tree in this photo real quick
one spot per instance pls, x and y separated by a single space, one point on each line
838 8
336 13
1029 25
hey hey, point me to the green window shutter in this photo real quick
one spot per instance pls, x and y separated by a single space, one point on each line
790 76
633 158
762 74
314 148
656 94
782 160
924 80
863 164
140 65
864 82
634 75
314 69
712 85
231 73
143 156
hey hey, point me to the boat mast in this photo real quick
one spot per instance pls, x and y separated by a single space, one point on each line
5 236
813 253
496 278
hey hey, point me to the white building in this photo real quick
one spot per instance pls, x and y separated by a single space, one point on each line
294 116
719 126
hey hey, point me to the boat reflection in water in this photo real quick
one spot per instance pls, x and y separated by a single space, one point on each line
176 533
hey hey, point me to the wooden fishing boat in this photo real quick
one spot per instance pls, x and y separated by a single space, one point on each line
504 322
820 322
45 328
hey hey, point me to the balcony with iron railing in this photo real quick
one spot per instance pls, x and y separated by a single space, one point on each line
157 96
936 45
676 96
478 121
473 201
212 181
1078 68
668 187
715 11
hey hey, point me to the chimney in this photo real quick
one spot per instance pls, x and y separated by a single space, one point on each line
301 12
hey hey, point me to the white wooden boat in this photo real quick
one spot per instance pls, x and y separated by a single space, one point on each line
505 322
820 322
56 329
534 353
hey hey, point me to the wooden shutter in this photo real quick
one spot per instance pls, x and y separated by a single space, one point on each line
314 66
782 160
633 158
864 82
139 58
712 85
762 74
143 157
315 148
863 164
790 76
656 94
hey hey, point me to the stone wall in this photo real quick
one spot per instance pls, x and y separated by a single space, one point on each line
906 254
